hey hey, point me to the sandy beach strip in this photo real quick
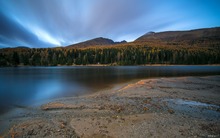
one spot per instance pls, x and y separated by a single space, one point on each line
160 107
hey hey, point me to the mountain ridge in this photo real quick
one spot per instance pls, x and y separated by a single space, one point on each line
99 41
194 37
197 36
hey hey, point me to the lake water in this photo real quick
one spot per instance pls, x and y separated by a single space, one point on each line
23 86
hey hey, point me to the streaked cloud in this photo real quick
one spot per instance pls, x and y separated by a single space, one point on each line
47 23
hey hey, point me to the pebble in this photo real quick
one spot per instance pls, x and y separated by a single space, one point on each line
170 111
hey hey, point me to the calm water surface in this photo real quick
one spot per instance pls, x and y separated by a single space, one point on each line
24 86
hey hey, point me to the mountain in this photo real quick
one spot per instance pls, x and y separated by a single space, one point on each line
199 37
24 47
194 47
100 41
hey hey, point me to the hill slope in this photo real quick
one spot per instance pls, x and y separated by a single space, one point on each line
100 41
199 37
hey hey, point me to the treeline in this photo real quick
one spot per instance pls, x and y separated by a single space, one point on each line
118 55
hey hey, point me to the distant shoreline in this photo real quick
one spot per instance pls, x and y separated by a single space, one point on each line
105 65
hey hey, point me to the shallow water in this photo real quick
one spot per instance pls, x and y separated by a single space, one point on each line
195 109
24 86
192 103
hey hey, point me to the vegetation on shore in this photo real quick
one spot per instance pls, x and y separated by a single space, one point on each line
121 54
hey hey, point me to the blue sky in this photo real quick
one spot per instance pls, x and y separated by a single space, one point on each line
49 23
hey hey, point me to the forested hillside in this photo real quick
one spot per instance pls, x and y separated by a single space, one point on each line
129 54
187 47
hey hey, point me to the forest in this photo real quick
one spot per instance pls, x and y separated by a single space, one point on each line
123 54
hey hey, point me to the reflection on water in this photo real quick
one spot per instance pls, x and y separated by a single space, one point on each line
29 85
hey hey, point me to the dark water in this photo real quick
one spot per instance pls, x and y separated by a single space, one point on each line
24 86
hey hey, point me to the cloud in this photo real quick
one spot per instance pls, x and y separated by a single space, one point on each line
44 23
13 34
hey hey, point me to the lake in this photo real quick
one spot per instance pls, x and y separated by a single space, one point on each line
24 86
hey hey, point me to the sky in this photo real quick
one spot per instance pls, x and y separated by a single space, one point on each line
52 23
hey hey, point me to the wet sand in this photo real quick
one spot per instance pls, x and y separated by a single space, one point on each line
161 107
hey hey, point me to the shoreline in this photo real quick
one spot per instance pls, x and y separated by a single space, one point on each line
166 107
109 65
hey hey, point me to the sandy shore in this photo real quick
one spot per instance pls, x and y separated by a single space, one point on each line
162 107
